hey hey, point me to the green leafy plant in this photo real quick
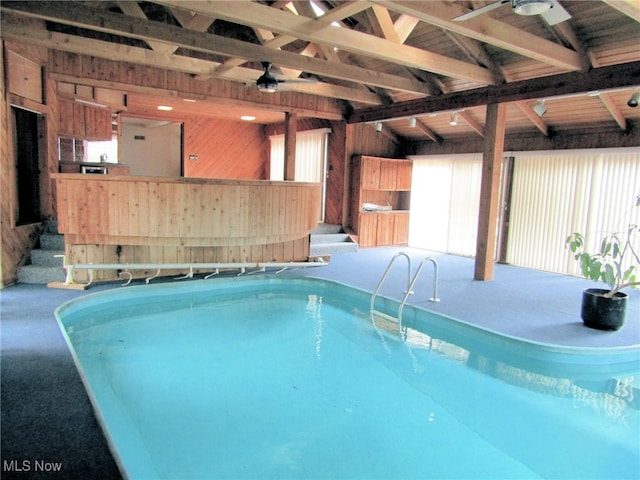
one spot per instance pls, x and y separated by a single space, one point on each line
608 264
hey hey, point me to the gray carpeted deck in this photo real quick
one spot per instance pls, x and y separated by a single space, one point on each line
47 416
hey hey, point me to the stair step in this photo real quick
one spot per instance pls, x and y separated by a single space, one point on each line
329 238
51 226
329 248
325 228
40 275
46 258
49 241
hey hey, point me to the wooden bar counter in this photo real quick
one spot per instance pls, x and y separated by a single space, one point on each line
120 219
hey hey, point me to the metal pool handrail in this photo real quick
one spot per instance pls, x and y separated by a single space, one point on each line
410 284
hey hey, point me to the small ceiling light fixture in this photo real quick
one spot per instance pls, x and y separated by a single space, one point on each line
412 122
634 100
539 108
247 118
454 119
189 100
378 126
165 108
531 7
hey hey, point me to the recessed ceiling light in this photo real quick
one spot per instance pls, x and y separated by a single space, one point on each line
189 100
165 108
247 118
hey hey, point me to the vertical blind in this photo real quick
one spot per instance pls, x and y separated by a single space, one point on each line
553 195
557 194
445 196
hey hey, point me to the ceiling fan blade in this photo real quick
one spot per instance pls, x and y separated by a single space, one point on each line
480 11
556 14
298 80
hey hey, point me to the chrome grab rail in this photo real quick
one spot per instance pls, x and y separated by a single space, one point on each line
386 272
410 284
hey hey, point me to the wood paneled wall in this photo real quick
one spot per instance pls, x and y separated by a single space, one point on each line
16 241
225 149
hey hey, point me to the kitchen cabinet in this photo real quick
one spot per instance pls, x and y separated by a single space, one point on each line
82 121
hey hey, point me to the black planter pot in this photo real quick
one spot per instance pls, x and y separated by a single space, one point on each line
601 312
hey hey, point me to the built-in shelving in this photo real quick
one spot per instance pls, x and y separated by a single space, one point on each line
387 183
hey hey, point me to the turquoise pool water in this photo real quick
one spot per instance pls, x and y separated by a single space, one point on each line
282 378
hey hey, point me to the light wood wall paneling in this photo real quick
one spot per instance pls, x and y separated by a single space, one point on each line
17 241
194 212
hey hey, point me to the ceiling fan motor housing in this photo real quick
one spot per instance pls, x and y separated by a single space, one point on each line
267 82
531 7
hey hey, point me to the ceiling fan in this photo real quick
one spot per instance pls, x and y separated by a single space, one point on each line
550 10
267 82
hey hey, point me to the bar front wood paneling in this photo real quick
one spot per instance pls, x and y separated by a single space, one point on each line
183 212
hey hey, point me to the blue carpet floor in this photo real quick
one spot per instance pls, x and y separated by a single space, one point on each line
47 417
538 306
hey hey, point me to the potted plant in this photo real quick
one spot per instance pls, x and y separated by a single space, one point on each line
617 264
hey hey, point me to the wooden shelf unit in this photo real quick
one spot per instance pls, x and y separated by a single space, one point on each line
381 181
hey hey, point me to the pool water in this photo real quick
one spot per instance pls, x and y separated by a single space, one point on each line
289 378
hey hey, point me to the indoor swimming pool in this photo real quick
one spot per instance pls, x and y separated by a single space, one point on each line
270 377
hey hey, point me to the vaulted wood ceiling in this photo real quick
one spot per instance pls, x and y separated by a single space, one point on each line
387 60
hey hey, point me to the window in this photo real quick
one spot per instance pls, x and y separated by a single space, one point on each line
445 196
311 159
555 194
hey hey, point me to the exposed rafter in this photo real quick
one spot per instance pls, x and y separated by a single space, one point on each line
604 78
489 30
250 13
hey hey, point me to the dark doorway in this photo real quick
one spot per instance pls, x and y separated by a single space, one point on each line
27 157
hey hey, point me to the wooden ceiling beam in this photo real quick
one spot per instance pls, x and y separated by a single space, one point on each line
200 68
257 15
534 117
134 10
630 8
475 126
428 132
66 12
615 112
404 25
489 30
603 78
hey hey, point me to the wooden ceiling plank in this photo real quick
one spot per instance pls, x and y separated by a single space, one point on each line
630 8
603 78
489 30
257 15
534 117
138 28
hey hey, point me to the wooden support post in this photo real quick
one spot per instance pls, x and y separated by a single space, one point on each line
490 191
290 131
